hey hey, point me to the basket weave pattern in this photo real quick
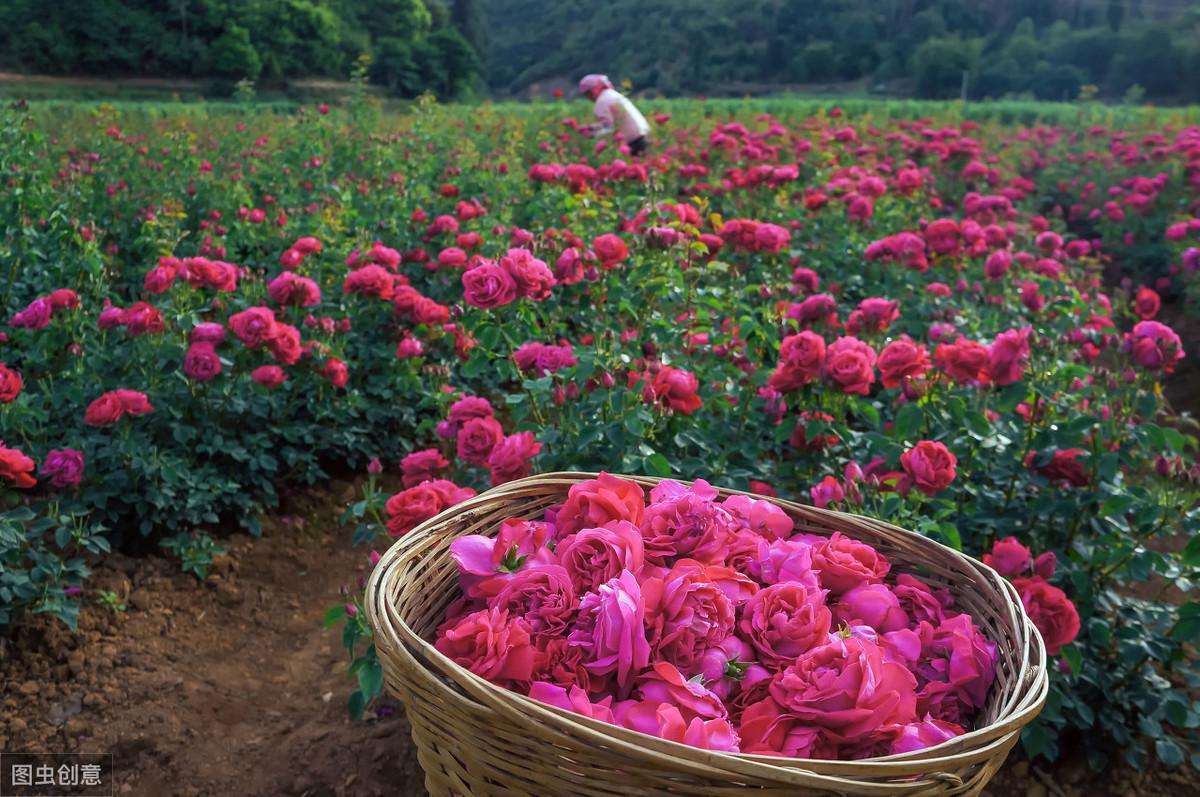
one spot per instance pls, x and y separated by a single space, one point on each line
476 738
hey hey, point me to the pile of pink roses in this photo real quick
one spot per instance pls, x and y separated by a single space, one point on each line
714 623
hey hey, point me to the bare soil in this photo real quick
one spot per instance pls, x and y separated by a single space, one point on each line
231 687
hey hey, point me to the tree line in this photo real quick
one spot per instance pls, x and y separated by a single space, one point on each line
1048 49
414 45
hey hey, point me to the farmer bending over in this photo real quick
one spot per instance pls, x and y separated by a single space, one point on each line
615 111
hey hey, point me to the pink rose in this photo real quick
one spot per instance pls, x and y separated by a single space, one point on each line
465 409
594 556
687 613
207 332
575 700
64 467
920 602
1154 346
728 666
902 360
785 620
957 654
844 563
848 687
928 733
486 563
201 362
1008 355
593 503
686 521
871 604
800 359
611 630
284 344
533 277
762 517
766 728
827 491
492 644
784 560
543 596
290 289
666 722
488 285
664 683
850 364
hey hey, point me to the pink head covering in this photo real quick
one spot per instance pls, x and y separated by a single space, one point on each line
590 82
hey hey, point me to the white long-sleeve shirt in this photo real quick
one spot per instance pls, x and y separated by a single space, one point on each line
615 111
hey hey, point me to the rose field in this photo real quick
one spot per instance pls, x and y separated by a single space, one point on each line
235 336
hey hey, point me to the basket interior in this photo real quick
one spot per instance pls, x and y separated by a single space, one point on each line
430 575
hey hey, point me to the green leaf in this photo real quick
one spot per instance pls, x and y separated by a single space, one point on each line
370 678
1073 657
908 421
1187 627
1168 752
1191 554
334 616
978 424
658 465
356 705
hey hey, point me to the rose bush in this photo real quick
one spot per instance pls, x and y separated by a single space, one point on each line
900 315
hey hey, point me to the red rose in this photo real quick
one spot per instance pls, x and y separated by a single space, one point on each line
850 364
785 620
334 370
492 644
284 344
963 361
1009 558
800 359
269 376
929 466
1050 610
1064 468
201 362
477 438
105 410
512 457
610 249
254 326
676 388
1146 303
10 384
421 466
16 467
409 508
901 360
595 502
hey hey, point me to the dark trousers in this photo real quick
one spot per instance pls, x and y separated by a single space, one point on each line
637 147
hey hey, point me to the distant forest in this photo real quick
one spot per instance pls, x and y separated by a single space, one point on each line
1049 49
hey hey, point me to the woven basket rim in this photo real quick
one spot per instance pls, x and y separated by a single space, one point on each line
1032 689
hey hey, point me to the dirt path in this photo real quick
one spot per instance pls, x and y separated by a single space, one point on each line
231 687
226 688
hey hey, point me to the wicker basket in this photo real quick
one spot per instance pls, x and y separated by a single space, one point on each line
475 738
